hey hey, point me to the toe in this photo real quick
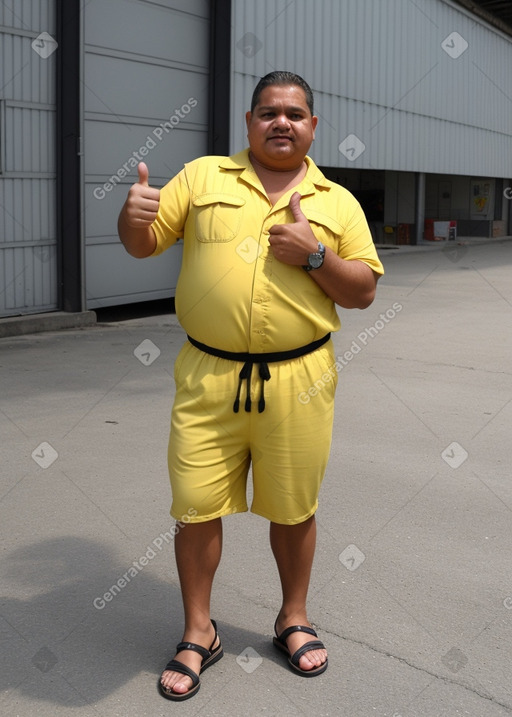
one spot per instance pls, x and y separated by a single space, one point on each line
176 682
180 687
312 659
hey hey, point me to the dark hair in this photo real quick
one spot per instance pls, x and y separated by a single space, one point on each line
281 77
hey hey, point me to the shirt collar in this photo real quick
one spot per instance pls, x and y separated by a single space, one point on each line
241 161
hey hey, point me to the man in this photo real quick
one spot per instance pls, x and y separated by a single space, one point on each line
270 246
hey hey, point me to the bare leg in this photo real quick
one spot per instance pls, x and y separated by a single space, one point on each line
198 548
294 549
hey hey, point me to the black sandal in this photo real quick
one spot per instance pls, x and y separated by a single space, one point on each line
210 657
293 660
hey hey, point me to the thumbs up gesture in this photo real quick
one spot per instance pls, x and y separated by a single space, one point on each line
293 243
143 201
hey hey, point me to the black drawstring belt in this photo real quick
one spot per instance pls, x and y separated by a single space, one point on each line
262 359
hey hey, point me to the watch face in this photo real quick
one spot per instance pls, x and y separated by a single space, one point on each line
316 260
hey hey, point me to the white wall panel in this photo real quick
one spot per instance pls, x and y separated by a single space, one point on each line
132 280
28 257
145 65
390 72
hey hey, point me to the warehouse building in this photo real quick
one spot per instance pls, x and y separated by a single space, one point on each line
415 118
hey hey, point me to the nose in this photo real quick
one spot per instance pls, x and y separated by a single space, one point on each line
281 121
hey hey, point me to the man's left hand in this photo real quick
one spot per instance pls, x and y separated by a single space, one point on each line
293 243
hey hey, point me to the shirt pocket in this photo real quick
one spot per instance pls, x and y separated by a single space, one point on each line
217 216
325 228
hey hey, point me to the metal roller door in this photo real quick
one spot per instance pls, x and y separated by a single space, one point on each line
28 243
145 96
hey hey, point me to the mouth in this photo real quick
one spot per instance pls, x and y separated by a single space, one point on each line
281 137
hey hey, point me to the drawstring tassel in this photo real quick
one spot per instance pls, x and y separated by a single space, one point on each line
265 376
248 367
245 373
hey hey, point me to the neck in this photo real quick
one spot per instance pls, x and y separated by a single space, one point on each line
259 165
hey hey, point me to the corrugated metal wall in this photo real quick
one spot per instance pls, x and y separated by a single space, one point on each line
415 86
28 256
145 96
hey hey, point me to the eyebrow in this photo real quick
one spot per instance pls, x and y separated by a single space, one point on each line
293 108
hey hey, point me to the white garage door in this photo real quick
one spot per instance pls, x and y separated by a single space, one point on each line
145 95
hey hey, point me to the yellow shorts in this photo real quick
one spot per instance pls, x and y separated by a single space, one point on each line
211 448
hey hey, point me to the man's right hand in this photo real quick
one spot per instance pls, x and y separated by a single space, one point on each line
137 215
143 201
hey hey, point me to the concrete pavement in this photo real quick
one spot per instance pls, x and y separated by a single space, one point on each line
411 588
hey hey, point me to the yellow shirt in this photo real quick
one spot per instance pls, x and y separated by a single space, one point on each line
232 293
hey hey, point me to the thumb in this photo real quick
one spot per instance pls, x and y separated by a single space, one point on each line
295 207
143 174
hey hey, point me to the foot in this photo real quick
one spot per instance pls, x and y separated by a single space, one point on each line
176 681
309 660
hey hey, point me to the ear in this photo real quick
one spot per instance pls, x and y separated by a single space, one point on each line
248 117
314 122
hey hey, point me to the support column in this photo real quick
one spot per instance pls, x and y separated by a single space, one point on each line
220 74
419 209
69 228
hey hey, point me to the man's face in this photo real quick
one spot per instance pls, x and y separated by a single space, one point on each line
281 129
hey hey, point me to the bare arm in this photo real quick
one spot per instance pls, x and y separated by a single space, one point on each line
350 284
137 215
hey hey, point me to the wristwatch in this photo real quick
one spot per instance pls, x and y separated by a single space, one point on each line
316 259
